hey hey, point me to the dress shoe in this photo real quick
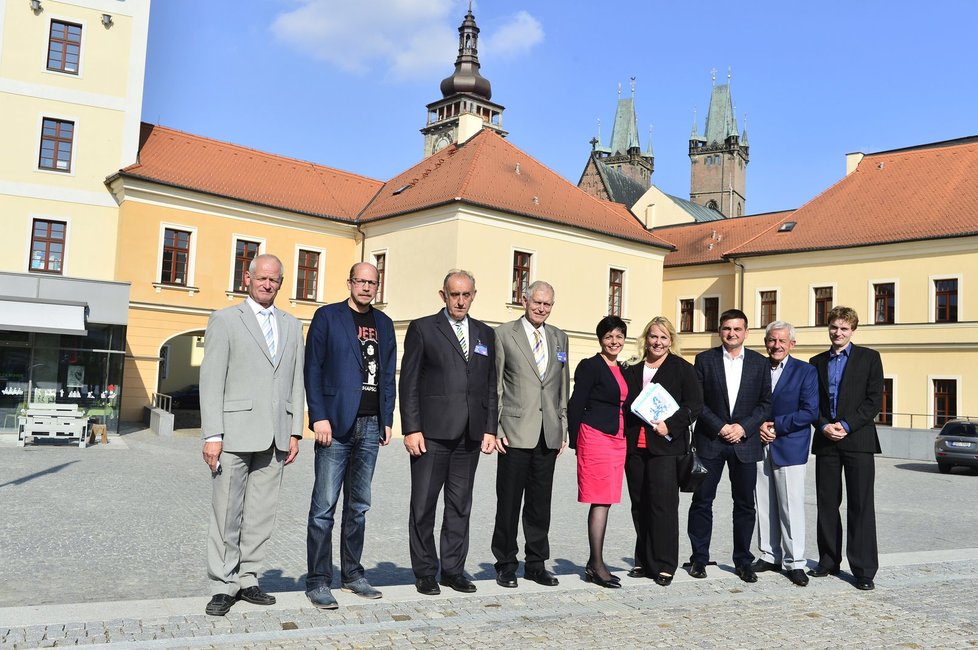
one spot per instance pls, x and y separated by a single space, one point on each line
637 572
541 577
591 575
760 566
362 588
662 579
256 596
219 605
697 570
322 598
506 578
427 586
745 573
458 583
865 584
798 577
820 571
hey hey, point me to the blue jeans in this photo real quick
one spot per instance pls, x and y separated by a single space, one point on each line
347 463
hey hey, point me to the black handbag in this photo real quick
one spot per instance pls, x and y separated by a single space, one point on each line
689 469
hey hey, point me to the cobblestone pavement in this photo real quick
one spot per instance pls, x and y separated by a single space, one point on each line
127 522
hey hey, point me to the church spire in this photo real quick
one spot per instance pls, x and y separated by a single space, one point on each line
466 78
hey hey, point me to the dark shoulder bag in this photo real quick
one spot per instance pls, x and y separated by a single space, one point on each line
690 469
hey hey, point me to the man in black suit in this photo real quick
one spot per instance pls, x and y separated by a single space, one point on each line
850 390
448 413
736 386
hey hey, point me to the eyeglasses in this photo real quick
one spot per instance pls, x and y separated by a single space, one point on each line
364 283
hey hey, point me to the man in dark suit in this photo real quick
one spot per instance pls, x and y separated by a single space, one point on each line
351 358
736 400
448 413
250 415
534 382
787 437
850 387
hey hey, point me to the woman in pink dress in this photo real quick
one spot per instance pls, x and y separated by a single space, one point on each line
597 431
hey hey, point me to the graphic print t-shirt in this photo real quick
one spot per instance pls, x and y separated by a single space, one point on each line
366 330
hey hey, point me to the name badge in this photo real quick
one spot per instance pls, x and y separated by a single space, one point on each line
481 349
562 357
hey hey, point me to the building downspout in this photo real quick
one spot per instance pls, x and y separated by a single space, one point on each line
740 284
363 243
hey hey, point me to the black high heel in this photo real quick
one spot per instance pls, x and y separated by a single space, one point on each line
662 579
592 576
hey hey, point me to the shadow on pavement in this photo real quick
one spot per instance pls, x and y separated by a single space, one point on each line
31 477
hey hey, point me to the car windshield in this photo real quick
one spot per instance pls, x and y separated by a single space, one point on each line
964 429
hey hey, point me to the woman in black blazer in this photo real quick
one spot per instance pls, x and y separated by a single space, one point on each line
652 451
596 427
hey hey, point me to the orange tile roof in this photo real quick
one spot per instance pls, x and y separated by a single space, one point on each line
491 172
189 161
924 192
708 242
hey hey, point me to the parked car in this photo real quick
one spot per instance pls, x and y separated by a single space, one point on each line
187 397
956 444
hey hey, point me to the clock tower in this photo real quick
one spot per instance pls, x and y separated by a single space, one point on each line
464 108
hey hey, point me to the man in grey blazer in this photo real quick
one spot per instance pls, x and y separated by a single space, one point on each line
533 383
251 401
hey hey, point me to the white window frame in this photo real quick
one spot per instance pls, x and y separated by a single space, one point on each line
191 263
81 48
871 300
932 296
811 299
387 267
320 275
232 287
75 139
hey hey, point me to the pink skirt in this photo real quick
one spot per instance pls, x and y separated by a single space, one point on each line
600 466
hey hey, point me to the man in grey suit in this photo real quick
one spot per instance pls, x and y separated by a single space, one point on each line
251 401
533 382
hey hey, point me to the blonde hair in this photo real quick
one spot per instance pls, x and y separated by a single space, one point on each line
665 325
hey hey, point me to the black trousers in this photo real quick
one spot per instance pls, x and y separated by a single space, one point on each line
653 487
522 472
448 464
862 551
743 480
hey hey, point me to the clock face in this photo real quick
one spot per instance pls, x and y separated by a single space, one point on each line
442 142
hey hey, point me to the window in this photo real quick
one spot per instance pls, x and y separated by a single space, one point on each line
884 302
380 261
711 313
769 307
946 301
48 246
686 315
64 47
307 275
176 256
945 401
713 205
244 252
521 275
616 284
823 305
56 139
886 411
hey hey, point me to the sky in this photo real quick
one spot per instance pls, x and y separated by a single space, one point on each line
345 83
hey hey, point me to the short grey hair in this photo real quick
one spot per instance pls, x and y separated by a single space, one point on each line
268 256
540 285
780 325
457 272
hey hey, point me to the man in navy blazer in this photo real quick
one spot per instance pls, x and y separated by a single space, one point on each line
351 359
736 401
448 413
787 437
850 387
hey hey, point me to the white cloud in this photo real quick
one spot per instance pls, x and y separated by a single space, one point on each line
403 39
514 38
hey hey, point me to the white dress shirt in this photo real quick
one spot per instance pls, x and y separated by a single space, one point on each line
733 370
529 329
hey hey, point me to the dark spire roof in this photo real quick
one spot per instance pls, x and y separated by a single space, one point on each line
466 78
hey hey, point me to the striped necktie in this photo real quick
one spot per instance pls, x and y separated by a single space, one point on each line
538 355
266 329
461 339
